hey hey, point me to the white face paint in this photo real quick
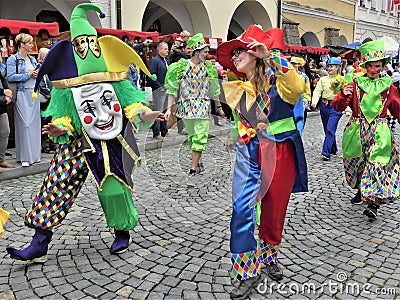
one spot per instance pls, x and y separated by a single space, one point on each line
99 110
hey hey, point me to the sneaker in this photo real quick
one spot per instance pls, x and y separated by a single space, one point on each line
191 177
200 168
371 211
274 271
25 164
244 287
357 198
325 158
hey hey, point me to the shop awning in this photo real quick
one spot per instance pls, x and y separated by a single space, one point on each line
308 49
33 28
130 34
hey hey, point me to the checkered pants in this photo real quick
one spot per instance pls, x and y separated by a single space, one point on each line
64 179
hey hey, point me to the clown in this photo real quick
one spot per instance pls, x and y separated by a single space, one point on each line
92 107
370 155
270 162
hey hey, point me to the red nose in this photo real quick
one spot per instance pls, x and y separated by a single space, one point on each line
373 70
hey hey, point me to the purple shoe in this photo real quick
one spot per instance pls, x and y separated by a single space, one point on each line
121 242
36 252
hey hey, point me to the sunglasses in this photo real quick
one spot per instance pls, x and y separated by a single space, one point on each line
237 52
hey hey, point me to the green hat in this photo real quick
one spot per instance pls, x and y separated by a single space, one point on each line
373 51
87 52
197 42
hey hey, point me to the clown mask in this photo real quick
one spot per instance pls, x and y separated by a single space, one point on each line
99 110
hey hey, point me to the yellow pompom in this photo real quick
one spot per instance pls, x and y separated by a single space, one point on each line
34 95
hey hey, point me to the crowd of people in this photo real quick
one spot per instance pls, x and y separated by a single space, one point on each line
268 102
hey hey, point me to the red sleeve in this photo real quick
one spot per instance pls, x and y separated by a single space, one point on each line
341 101
394 102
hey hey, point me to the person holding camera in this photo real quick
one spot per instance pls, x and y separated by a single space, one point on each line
22 69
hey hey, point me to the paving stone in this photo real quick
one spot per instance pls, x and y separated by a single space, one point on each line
180 247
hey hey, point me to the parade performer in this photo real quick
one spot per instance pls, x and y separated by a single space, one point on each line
92 106
305 99
196 79
3 219
270 162
329 116
370 155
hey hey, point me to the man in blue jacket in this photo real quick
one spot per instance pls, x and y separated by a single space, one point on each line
159 66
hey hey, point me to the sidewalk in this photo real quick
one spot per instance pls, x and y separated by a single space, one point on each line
146 142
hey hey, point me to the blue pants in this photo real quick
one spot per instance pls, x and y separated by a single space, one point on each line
330 119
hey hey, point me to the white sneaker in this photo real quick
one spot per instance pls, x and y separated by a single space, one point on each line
25 164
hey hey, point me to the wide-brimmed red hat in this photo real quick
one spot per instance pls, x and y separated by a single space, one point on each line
278 37
225 49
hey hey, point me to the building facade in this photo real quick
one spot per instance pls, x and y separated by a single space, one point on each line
306 22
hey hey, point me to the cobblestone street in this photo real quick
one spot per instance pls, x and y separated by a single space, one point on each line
180 248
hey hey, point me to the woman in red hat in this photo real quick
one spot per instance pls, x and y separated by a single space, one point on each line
270 162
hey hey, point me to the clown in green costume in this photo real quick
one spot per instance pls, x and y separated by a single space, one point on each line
93 107
370 154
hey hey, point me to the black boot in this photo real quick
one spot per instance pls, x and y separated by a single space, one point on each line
37 251
357 198
243 288
274 271
371 211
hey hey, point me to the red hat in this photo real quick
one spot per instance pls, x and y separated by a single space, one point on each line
225 49
277 35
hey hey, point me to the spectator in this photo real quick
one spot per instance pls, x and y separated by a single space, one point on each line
159 66
183 37
5 99
322 69
22 68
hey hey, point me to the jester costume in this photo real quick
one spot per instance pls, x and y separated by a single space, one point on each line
93 100
270 162
370 154
196 84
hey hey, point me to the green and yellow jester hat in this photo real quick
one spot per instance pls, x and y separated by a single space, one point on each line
86 59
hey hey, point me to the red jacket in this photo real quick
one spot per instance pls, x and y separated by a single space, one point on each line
340 102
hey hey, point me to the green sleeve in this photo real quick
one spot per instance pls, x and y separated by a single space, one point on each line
213 78
173 76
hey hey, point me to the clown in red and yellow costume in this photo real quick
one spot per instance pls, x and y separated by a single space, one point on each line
270 162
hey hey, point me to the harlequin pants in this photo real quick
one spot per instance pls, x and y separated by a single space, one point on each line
330 119
64 179
266 171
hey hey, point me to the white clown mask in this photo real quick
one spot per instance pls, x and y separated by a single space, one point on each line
99 110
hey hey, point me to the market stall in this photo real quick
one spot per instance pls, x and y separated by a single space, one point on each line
42 34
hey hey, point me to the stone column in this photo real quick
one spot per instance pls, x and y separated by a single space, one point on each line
292 35
332 36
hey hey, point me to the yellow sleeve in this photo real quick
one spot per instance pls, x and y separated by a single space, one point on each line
317 92
307 92
3 219
290 85
133 111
